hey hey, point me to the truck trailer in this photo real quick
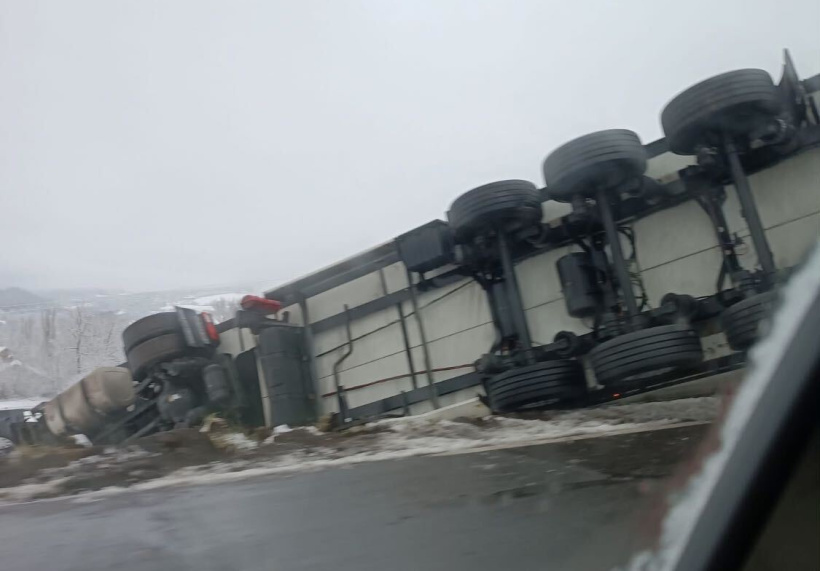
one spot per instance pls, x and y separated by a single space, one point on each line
633 267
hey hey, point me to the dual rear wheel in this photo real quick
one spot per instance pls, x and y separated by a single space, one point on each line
153 340
618 362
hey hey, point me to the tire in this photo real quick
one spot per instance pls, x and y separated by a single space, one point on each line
742 321
733 102
149 327
547 382
619 360
154 351
509 205
605 159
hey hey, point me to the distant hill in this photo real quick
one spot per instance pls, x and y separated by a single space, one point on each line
133 305
14 296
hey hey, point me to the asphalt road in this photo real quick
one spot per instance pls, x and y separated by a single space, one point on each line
583 505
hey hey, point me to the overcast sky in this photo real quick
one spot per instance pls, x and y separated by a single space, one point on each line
149 145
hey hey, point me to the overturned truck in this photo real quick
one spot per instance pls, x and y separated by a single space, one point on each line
637 266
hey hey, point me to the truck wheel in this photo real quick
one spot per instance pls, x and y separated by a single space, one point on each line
509 205
149 327
621 359
539 384
742 321
733 102
605 159
154 351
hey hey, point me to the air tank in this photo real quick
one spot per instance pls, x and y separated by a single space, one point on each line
217 386
85 406
582 294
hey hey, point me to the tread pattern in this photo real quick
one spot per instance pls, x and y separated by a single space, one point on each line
149 327
559 380
604 159
742 321
511 204
619 359
731 101
154 351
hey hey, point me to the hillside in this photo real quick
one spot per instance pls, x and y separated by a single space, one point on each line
15 297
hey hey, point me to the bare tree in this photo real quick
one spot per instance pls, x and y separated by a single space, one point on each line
95 339
224 309
48 323
53 347
105 345
79 331
27 329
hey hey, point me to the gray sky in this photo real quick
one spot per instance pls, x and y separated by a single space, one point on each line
149 145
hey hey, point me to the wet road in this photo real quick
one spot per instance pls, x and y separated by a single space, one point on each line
582 505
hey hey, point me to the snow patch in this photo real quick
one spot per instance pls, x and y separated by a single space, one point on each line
700 409
401 438
319 459
81 440
20 404
6 446
226 297
431 437
25 492
233 441
198 308
408 437
50 480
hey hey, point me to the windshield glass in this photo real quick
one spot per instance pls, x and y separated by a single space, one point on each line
417 285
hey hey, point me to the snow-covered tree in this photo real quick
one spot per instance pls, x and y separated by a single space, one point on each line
55 347
224 308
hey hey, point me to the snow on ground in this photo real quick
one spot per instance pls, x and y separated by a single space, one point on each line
15 404
234 441
409 436
6 446
386 440
207 303
198 308
212 299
